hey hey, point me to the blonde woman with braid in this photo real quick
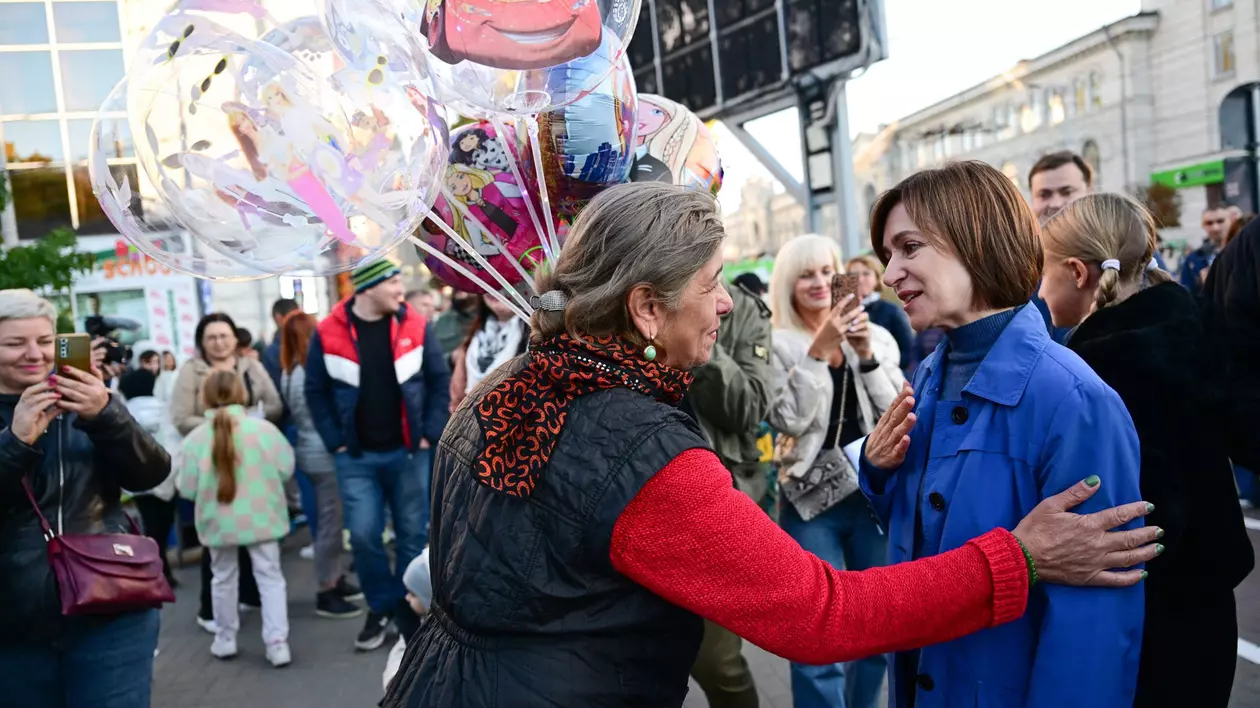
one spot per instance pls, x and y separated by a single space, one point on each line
1141 333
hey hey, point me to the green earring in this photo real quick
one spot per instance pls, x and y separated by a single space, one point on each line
649 352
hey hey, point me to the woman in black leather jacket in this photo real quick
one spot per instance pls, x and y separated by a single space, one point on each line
77 446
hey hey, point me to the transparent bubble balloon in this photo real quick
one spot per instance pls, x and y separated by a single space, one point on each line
506 57
275 153
133 206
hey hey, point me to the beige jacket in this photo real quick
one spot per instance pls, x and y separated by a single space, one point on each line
187 409
801 390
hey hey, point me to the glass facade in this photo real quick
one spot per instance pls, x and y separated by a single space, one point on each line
60 60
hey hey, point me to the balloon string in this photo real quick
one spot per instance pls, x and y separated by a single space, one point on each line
513 159
450 233
487 233
531 122
450 262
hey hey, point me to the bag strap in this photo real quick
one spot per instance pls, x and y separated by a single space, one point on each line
844 394
26 487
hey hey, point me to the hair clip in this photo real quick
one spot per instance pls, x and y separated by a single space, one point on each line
551 301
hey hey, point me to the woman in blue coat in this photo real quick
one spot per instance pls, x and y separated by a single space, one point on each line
1004 418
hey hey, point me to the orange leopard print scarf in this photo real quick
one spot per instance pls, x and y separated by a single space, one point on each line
522 417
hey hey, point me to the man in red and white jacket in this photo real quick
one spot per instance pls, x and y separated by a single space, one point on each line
380 399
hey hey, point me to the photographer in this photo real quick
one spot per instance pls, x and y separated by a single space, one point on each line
77 447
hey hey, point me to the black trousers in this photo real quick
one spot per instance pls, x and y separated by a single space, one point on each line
157 517
247 585
1189 649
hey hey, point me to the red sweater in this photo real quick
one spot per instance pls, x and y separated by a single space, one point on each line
691 538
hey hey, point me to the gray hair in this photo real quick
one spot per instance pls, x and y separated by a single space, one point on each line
23 304
629 234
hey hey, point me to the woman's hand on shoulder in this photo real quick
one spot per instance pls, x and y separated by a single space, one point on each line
887 444
1082 549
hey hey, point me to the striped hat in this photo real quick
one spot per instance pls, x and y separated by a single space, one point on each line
369 276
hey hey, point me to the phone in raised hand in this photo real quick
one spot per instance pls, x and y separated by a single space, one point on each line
73 350
844 284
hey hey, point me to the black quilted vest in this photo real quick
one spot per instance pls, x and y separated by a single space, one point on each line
527 608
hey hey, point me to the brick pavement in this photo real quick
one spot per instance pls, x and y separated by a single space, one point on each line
328 673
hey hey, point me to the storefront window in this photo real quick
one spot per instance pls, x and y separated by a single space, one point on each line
86 22
35 92
87 76
41 200
23 23
33 141
119 303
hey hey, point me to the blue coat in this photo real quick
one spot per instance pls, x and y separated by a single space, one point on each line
1034 421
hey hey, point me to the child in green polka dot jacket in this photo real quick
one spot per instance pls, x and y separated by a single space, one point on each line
233 468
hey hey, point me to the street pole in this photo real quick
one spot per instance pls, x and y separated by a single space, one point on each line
1124 110
1252 143
842 181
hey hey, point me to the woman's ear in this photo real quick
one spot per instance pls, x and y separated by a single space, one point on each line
1081 274
646 311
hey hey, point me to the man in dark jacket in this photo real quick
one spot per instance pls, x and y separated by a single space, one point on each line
729 398
380 399
1216 223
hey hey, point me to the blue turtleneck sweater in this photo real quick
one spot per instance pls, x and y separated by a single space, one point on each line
968 346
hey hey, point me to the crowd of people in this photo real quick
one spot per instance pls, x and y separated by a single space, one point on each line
1003 468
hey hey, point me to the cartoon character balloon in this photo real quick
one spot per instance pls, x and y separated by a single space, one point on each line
590 144
674 146
483 203
499 56
272 161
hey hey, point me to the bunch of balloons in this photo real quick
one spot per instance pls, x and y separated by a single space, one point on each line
313 144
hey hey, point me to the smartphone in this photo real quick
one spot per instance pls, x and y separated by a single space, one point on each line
844 284
74 350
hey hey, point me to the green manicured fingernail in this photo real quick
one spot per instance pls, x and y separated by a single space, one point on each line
1159 548
1144 574
1149 507
1159 533
1092 480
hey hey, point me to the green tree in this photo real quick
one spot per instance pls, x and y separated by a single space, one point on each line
49 263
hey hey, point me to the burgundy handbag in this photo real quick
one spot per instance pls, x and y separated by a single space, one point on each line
102 574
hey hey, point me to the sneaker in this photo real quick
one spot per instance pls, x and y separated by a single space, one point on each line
208 624
278 654
223 648
332 605
246 609
307 552
374 632
348 590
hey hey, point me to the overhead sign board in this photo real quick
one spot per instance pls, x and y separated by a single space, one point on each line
722 56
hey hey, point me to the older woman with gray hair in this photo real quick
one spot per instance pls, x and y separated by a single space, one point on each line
73 442
582 528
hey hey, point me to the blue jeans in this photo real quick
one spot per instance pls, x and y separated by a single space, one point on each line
97 663
847 537
369 484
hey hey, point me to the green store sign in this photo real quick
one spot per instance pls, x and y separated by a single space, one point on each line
1192 175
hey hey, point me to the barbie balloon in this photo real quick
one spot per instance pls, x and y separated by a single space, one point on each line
674 146
588 145
483 203
272 161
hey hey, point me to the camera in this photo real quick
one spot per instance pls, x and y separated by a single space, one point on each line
104 326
